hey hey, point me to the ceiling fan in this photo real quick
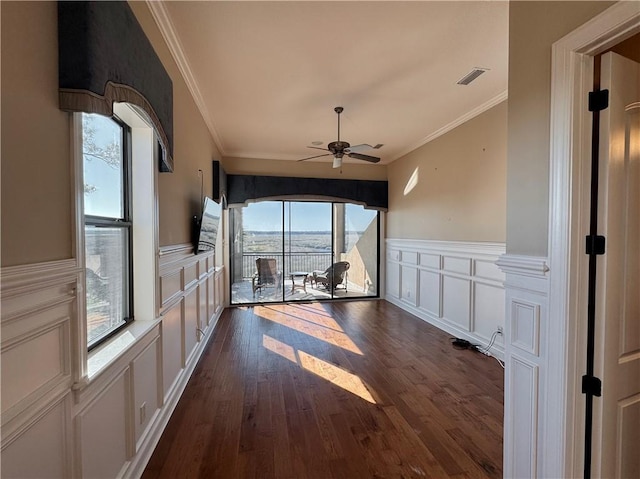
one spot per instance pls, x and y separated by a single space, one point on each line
340 148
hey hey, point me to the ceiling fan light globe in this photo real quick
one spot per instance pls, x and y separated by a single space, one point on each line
337 162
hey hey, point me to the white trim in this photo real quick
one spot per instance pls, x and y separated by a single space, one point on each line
571 67
30 277
496 100
524 265
454 247
79 351
165 25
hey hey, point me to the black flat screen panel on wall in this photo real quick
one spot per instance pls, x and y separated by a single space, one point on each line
246 188
219 182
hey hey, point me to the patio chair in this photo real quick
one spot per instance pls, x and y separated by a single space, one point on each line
266 274
333 275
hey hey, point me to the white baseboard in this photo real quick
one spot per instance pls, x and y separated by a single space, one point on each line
496 350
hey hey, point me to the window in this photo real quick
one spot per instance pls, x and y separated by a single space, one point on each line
108 230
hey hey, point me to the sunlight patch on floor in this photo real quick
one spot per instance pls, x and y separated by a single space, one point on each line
278 347
306 326
330 372
338 376
308 312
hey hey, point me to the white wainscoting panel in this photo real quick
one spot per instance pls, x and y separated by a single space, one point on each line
489 310
172 345
455 286
170 286
36 343
430 297
191 322
108 422
432 261
33 363
102 426
527 368
456 302
146 385
393 279
190 275
409 275
524 333
523 394
46 437
452 264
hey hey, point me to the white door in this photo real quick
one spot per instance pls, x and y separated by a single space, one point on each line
616 451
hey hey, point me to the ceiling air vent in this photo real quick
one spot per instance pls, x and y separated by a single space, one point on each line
472 75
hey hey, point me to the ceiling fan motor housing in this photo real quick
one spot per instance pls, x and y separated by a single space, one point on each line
338 147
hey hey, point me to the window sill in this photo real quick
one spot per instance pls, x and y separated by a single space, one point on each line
108 353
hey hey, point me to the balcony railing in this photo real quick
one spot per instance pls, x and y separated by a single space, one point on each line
290 261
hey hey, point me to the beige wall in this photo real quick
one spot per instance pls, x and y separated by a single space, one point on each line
305 169
36 165
533 28
460 194
36 184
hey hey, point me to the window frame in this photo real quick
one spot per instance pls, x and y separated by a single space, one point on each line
126 222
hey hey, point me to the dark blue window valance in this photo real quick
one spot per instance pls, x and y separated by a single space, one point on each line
242 189
105 57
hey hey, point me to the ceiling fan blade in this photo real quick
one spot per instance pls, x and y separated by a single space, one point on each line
362 147
317 156
360 156
318 148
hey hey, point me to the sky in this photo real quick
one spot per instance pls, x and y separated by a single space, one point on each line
106 179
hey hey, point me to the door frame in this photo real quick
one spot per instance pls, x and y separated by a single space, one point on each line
570 150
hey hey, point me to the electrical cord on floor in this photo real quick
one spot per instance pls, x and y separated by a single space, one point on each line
459 343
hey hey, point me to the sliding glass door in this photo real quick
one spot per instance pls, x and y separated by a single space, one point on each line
303 250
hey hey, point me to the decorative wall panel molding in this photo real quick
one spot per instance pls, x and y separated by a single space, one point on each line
37 309
527 368
108 425
455 286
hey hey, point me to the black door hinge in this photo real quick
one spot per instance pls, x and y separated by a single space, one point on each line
598 100
595 244
591 385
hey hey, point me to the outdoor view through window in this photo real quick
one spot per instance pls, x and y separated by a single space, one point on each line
303 238
107 226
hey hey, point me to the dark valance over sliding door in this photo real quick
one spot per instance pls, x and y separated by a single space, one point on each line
243 189
105 57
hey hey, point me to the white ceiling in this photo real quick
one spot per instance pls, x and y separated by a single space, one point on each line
267 75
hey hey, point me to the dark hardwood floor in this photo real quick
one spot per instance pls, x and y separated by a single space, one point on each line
334 390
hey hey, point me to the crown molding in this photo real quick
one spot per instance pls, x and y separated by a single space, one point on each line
455 123
164 23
